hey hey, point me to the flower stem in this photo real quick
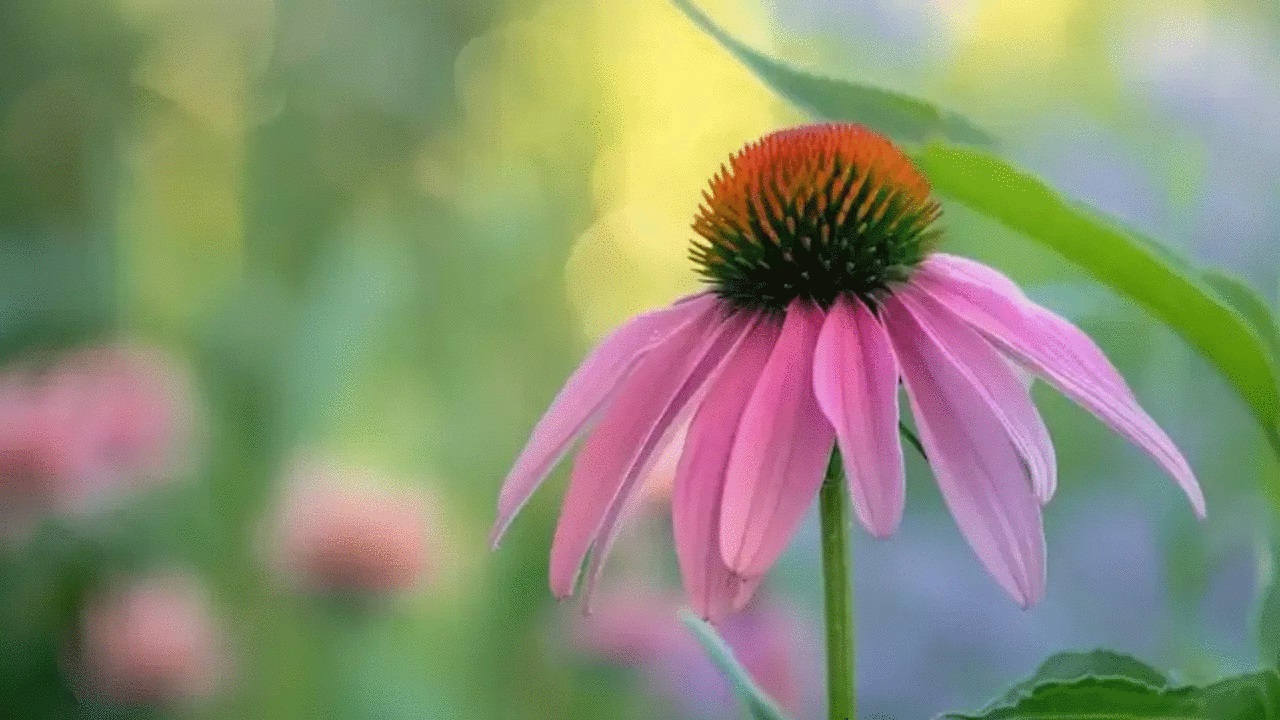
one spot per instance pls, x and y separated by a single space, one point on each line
837 592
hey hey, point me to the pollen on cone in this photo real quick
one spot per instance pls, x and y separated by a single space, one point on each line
797 166
814 212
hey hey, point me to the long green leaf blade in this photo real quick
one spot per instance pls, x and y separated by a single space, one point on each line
757 703
901 117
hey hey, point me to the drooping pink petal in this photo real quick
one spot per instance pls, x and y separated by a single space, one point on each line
666 432
1060 353
700 475
993 377
855 378
630 436
974 271
977 466
586 393
780 454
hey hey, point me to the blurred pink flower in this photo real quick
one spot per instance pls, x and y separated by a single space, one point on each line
819 243
152 642
644 631
94 422
338 534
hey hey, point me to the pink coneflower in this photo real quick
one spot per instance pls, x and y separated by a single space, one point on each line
93 422
152 642
336 534
826 292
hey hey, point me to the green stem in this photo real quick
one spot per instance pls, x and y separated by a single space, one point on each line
837 592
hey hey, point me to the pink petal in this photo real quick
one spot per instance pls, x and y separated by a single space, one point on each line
670 429
1058 352
855 378
780 454
630 436
993 377
587 391
977 466
700 476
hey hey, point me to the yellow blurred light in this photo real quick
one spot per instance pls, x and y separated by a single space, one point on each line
676 105
662 104
1021 32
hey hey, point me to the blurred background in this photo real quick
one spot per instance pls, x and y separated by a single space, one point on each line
285 283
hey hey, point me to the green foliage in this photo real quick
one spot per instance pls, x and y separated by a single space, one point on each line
758 705
899 116
1095 698
1071 666
1250 303
1107 686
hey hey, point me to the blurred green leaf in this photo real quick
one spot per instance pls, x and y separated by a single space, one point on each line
757 703
343 315
1072 666
899 116
1184 300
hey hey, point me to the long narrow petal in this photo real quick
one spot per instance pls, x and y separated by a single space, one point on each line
1060 353
780 454
700 475
855 378
587 391
667 432
629 437
993 376
978 469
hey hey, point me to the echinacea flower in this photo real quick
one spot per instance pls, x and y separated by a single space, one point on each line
93 423
819 244
337 532
153 642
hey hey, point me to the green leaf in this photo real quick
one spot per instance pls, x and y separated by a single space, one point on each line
1072 666
1255 696
1247 301
1096 699
901 117
757 703
1172 291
